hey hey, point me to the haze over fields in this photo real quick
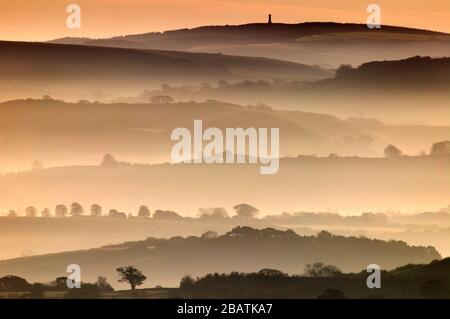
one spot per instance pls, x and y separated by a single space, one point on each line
325 44
364 149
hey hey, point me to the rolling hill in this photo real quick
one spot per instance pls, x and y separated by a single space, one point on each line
348 185
316 43
436 270
411 90
61 133
58 65
241 249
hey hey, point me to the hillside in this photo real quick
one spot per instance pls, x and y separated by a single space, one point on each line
242 249
321 43
348 185
40 64
140 132
416 72
411 90
435 270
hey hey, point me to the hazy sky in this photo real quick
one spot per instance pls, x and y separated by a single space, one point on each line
46 19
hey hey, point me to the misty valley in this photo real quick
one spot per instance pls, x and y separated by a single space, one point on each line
267 160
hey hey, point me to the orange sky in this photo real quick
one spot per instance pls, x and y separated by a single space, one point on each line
46 19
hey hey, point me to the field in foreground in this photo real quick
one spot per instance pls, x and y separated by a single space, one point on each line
324 282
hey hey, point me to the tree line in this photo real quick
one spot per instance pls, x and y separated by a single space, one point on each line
243 211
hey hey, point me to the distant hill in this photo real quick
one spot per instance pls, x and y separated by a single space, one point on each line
79 67
349 185
436 270
271 283
245 249
60 133
322 43
411 90
422 73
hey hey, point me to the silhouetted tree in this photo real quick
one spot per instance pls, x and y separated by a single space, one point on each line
440 148
144 212
392 151
113 213
108 160
61 283
215 213
210 235
324 235
246 211
96 210
31 211
344 70
319 270
76 209
161 99
166 215
61 211
131 275
103 284
272 273
45 213
13 283
187 282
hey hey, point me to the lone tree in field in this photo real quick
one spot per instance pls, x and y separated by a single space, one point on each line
131 275
144 212
108 160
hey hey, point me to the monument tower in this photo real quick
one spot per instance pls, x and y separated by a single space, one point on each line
270 19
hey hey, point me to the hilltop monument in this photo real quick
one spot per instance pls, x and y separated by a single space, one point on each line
270 19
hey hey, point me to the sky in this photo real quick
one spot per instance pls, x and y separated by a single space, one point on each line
25 20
